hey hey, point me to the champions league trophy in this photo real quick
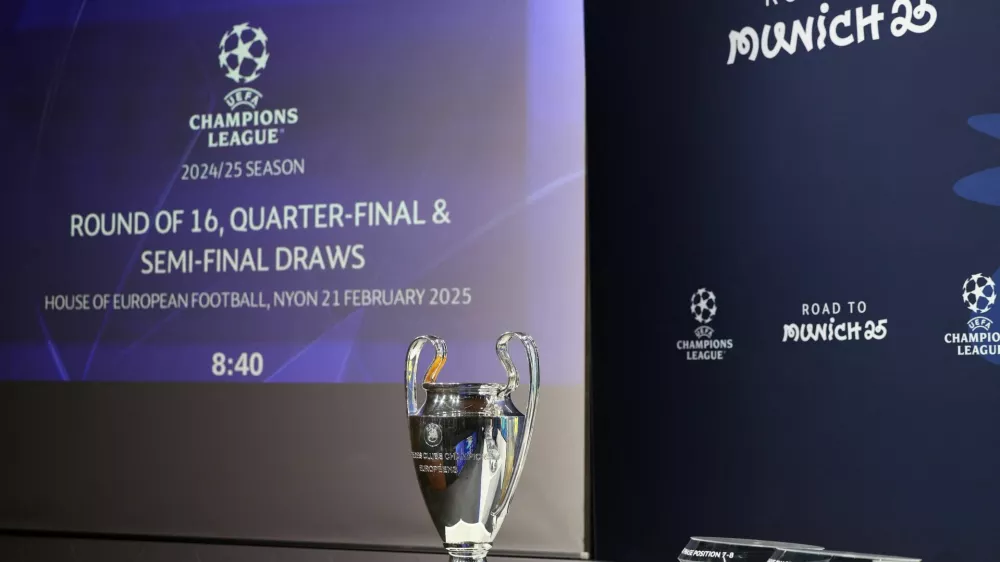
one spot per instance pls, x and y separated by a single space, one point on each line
468 442
714 549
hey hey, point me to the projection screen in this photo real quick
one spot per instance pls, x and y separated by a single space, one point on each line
226 220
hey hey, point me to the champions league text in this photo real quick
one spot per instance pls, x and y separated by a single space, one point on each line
244 128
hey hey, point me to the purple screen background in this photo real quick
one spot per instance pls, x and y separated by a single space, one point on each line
480 104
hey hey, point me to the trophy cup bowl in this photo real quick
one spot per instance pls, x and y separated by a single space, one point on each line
468 443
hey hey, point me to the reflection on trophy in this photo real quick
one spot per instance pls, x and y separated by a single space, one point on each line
468 442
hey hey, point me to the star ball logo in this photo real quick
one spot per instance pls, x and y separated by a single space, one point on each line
704 347
979 293
243 56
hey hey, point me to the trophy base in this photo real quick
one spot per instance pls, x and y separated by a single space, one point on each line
467 552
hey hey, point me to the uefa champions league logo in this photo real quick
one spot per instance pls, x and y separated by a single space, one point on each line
703 307
432 434
979 293
243 55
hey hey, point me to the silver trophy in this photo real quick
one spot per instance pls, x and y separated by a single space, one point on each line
468 442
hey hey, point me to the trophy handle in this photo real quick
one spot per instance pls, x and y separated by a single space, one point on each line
513 379
412 356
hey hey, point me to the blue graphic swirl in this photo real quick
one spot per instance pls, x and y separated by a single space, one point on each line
984 187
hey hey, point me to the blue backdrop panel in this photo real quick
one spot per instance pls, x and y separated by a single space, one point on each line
814 189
